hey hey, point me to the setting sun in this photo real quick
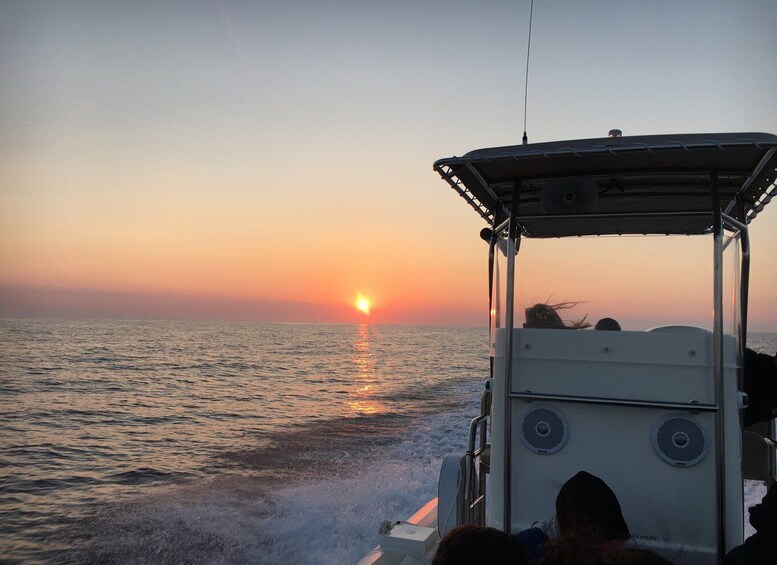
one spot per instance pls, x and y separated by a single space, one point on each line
362 304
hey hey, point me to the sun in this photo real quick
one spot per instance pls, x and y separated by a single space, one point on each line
362 304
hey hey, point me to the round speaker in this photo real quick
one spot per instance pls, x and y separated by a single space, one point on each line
679 440
544 429
569 195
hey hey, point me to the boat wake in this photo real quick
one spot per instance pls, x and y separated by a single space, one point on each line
307 499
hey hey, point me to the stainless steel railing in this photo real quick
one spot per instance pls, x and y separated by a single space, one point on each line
477 462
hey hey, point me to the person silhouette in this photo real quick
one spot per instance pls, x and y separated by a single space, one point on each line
546 316
760 384
608 324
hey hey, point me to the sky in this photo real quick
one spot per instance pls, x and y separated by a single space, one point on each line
273 160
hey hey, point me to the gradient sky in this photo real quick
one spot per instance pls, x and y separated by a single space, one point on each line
270 160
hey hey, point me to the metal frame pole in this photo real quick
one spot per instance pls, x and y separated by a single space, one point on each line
512 248
744 277
717 348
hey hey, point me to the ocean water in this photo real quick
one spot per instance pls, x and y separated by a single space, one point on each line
181 442
200 442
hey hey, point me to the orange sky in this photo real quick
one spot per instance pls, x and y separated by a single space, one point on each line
263 163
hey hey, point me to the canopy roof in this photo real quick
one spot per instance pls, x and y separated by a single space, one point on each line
657 184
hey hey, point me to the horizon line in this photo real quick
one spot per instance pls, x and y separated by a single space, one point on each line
47 302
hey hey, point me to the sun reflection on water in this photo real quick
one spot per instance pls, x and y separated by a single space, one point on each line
363 395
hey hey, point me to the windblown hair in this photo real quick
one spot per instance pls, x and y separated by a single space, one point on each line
547 316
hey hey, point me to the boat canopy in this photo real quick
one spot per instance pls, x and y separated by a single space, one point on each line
656 184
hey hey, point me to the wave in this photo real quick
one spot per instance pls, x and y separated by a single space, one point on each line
145 475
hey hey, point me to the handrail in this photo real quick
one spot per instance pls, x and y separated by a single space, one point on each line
469 467
473 454
686 406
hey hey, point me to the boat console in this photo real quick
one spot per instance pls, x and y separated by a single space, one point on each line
637 409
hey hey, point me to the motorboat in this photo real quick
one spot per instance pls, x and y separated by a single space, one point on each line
652 230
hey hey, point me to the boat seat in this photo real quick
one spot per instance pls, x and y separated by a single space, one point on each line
758 457
763 429
679 330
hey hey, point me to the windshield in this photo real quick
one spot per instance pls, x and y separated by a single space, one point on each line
640 282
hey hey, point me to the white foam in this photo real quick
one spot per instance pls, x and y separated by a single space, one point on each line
237 519
336 521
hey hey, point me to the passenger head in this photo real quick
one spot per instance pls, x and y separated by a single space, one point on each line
608 324
543 316
547 316
587 507
572 550
467 545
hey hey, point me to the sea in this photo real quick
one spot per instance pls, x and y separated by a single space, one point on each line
206 442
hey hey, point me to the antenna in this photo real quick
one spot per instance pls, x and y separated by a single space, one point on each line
526 80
